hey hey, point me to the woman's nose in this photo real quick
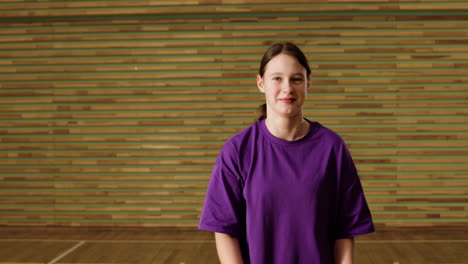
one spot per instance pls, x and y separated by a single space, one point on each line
287 86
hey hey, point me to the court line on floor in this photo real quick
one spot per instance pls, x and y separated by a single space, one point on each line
212 241
61 256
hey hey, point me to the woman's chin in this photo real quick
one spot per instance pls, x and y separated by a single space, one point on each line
289 113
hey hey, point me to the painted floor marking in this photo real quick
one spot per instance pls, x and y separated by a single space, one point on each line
66 252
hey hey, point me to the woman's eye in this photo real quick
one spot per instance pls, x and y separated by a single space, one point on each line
276 78
297 80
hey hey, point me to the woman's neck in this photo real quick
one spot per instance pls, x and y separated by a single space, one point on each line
287 128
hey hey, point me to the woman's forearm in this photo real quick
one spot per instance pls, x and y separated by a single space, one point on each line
228 249
344 251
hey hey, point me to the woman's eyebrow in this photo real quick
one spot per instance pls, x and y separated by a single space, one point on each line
276 73
281 73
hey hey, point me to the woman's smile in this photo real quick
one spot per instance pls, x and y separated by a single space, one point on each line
288 100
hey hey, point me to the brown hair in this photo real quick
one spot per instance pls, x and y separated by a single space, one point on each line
287 48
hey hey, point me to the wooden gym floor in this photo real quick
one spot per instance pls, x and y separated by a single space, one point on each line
50 245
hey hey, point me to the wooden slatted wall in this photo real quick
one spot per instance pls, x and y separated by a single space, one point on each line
113 112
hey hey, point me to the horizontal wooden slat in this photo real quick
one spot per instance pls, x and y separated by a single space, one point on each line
344 37
189 208
173 151
373 186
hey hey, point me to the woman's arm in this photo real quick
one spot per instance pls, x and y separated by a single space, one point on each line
344 251
228 249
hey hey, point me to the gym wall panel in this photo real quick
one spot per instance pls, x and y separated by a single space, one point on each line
112 113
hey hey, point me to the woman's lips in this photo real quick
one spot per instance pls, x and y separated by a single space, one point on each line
287 100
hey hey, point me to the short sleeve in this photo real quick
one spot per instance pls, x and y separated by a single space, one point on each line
224 206
353 216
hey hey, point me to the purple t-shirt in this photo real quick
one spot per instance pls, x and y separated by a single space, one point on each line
286 201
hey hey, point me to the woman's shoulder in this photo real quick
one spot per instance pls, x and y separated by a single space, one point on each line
239 147
246 135
327 134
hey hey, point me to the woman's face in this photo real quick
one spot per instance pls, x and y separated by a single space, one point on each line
285 86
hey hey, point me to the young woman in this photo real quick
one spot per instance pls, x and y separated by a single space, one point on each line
285 190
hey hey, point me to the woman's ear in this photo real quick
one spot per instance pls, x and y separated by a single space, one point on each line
308 86
260 83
